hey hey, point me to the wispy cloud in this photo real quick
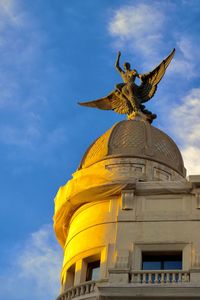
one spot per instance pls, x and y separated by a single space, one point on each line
23 98
135 27
20 45
191 156
186 124
144 30
8 13
187 58
34 273
11 135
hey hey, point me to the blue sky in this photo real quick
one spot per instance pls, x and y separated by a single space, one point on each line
54 54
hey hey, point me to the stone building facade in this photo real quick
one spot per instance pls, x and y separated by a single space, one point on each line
129 219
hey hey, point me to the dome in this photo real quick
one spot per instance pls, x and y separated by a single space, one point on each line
135 138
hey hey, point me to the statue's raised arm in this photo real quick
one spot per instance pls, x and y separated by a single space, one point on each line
119 69
128 97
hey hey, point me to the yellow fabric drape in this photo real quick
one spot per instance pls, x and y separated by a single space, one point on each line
90 184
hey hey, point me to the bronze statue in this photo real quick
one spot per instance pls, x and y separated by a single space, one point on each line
128 97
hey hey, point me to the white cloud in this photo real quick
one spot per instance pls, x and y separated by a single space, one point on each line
183 67
135 27
191 157
23 99
35 269
135 21
187 116
186 47
10 135
144 28
187 57
9 13
186 125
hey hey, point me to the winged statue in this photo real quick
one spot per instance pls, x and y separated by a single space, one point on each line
128 97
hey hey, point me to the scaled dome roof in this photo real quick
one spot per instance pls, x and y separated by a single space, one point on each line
135 138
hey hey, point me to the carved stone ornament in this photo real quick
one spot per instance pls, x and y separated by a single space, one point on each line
128 97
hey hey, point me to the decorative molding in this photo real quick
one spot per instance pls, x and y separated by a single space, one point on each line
196 192
128 199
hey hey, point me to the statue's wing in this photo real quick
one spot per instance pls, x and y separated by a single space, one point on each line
111 102
150 80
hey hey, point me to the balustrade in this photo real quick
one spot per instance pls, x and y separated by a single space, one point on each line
144 277
159 276
79 290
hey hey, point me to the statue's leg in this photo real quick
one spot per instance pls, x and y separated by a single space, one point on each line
125 91
129 90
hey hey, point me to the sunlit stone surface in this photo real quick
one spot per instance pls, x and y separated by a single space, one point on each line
127 208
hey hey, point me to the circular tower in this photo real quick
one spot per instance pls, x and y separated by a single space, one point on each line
126 214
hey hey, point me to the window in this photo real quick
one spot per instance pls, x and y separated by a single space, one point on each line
162 260
70 277
93 270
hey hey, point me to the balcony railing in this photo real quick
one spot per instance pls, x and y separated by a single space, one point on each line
140 277
79 290
159 276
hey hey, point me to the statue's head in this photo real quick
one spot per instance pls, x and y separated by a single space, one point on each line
127 66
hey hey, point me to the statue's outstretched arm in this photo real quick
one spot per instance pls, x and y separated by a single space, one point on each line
119 69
